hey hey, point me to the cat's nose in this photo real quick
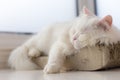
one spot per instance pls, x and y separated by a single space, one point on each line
74 38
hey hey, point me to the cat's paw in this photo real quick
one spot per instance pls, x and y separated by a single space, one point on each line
33 53
52 68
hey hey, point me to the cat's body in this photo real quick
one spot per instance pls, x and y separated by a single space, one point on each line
41 44
45 39
61 40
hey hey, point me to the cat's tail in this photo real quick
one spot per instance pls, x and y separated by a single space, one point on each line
19 59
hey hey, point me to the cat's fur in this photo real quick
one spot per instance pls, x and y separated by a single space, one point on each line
61 40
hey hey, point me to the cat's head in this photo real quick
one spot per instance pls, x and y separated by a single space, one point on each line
89 29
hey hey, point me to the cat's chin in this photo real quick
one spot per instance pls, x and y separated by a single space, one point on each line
77 47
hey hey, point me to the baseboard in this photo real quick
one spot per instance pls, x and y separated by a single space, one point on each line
10 41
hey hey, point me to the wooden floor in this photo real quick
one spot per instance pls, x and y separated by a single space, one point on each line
79 75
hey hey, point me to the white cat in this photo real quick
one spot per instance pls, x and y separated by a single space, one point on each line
61 40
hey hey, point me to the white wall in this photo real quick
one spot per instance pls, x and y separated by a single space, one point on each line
32 15
111 7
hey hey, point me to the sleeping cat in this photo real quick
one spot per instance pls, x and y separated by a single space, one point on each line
61 40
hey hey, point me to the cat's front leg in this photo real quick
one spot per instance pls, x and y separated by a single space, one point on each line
56 58
33 53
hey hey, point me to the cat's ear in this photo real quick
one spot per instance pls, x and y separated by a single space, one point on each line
86 11
106 22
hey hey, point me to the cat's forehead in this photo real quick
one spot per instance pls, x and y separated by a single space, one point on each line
86 22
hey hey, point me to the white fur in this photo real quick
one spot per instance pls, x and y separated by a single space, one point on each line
88 33
19 59
61 40
42 42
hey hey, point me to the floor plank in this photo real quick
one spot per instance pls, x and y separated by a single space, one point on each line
79 75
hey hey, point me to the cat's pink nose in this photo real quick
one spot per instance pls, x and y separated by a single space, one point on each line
75 38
